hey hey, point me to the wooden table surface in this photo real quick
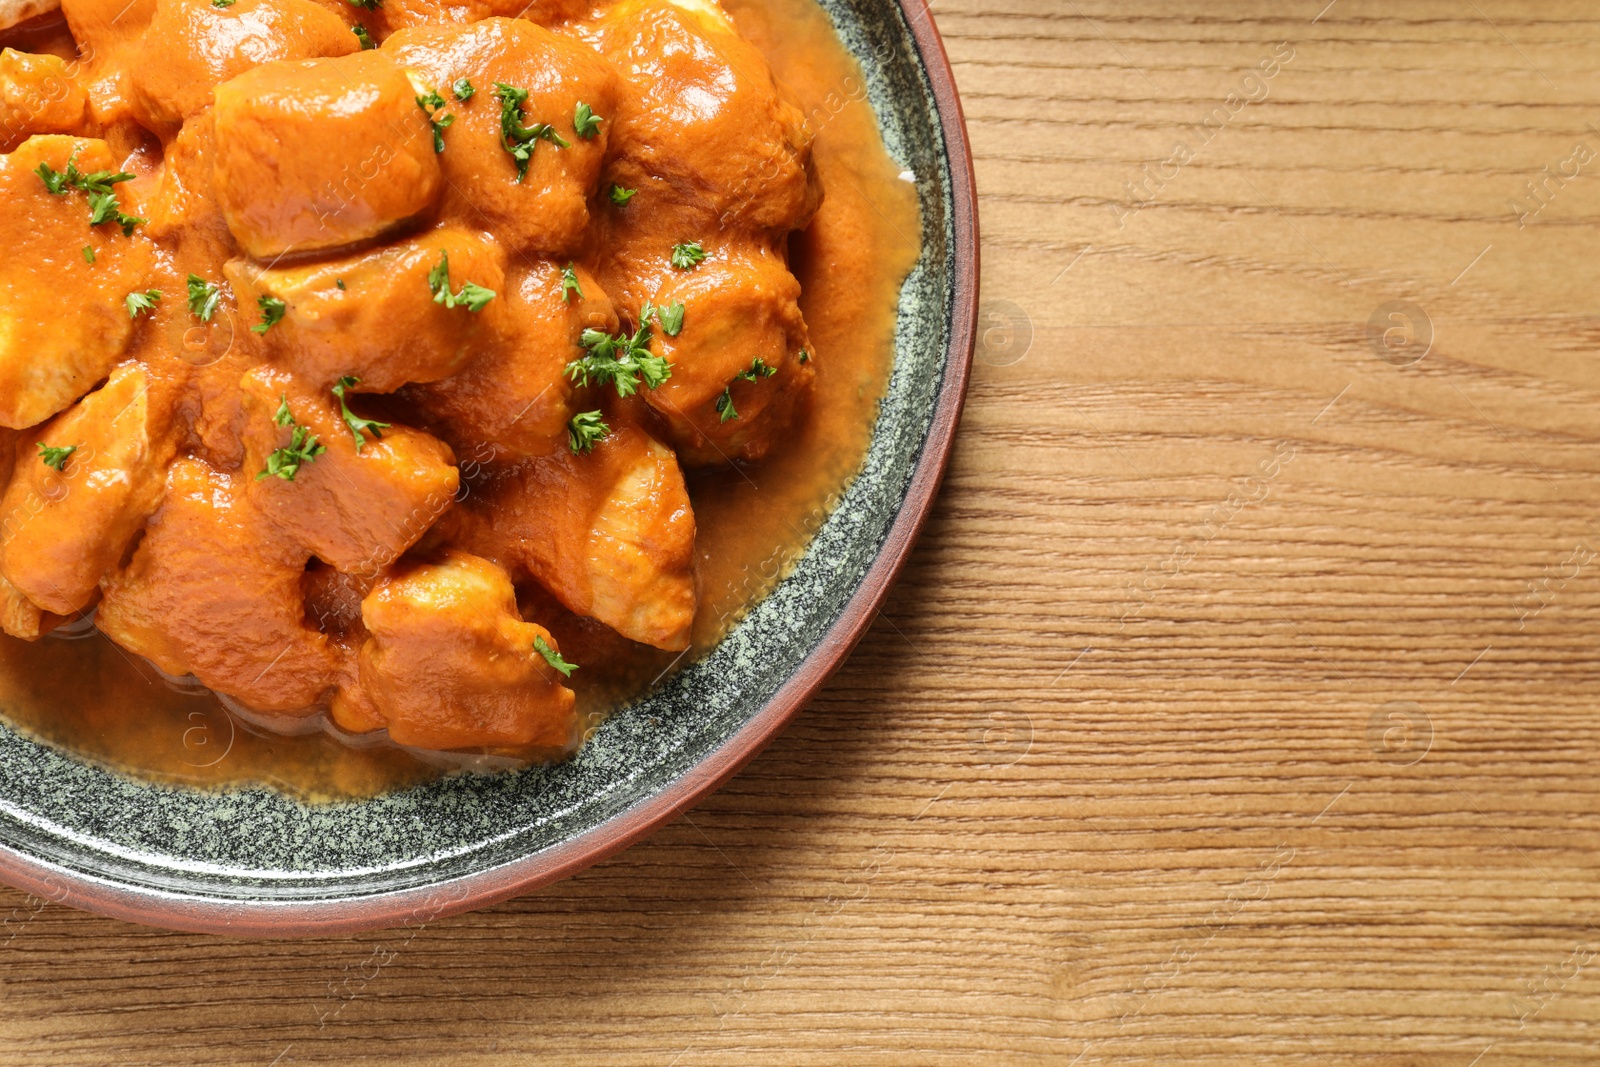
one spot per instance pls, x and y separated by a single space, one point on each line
1238 705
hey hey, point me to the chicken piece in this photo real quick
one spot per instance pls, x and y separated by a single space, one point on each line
21 617
62 323
741 370
38 95
705 118
184 210
385 324
192 45
450 664
609 533
404 14
546 212
514 394
91 508
212 592
357 507
314 154
103 27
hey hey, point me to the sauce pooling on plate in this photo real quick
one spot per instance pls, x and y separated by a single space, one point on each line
401 381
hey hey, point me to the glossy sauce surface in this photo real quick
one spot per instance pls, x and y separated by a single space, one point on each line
89 696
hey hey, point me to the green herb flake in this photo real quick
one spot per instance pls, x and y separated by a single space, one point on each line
758 370
367 45
671 319
272 311
303 448
552 657
472 296
88 253
569 284
203 298
621 196
623 361
519 140
358 426
584 429
725 405
142 303
463 90
431 104
688 256
585 122
55 458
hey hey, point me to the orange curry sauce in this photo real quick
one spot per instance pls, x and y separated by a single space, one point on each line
89 696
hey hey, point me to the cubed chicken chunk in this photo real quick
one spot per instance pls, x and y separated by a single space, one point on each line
21 617
388 316
213 591
315 154
359 504
78 520
38 94
192 45
741 369
610 533
103 28
62 320
543 211
404 14
515 395
706 118
449 663
184 210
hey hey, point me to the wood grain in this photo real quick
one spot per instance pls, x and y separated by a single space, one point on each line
1238 705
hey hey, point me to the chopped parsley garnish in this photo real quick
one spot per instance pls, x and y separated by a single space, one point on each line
474 297
805 357
552 657
285 463
585 122
621 361
463 90
687 256
356 423
103 206
223 3
515 138
569 284
55 458
339 282
431 104
367 45
272 310
203 298
758 370
584 429
620 196
671 319
367 5
88 254
142 303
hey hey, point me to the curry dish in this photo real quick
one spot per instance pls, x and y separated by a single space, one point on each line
366 362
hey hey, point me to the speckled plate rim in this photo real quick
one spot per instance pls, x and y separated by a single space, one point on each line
418 906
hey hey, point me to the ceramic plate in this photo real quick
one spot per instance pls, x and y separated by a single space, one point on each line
254 861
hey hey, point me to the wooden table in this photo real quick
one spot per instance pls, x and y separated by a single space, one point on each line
1239 704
